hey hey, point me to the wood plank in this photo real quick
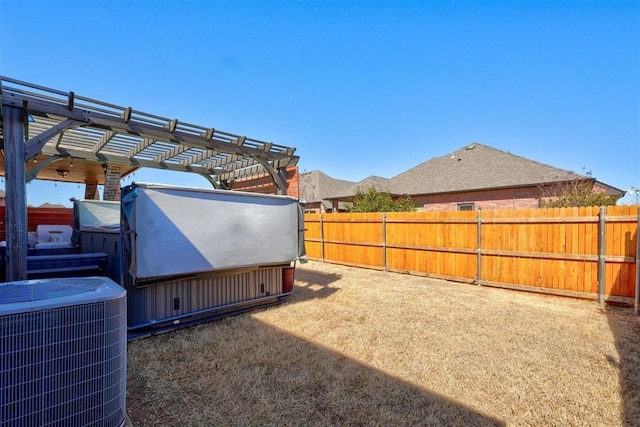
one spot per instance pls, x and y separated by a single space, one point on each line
609 248
631 250
580 249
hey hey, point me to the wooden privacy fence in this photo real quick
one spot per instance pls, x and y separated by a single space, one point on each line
586 252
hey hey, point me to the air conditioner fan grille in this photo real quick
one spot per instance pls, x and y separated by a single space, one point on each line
34 290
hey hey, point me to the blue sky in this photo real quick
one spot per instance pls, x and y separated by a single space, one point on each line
359 88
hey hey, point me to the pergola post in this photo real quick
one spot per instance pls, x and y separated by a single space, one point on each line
280 180
15 193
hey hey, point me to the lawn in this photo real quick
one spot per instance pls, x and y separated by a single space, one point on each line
363 347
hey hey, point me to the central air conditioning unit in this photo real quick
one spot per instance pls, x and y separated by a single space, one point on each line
63 353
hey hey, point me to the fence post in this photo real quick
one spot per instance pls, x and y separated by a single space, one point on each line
479 246
637 305
321 239
384 241
601 249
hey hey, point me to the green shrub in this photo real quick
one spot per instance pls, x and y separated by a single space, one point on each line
372 200
576 194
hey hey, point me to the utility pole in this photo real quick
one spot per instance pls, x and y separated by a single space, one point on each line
635 190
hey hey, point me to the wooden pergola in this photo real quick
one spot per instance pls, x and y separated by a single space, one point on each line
56 135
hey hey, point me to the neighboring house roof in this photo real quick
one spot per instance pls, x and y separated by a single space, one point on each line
51 205
316 186
2 194
471 168
381 184
478 167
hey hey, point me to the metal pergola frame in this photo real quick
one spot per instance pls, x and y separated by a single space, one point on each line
53 125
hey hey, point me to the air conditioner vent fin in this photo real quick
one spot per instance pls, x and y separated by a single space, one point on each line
63 355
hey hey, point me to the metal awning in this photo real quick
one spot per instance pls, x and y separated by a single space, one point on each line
56 135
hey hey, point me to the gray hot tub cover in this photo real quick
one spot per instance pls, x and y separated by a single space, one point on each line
97 215
179 230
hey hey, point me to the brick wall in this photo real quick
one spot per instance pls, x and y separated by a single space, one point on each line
112 184
508 198
263 184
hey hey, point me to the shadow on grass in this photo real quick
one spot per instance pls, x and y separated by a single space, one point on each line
242 371
313 284
625 328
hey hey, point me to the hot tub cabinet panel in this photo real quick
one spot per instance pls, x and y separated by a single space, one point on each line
184 299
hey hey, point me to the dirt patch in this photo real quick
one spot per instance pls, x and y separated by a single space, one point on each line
364 347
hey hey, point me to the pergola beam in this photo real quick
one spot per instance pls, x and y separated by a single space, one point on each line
277 175
108 136
146 142
223 161
218 185
34 145
182 138
32 173
119 160
199 157
255 170
178 149
116 124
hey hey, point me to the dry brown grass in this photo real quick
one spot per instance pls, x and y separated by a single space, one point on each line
362 347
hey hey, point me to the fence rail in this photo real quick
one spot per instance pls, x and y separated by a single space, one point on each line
586 252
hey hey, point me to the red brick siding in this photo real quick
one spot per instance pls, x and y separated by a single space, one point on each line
509 198
265 185
599 189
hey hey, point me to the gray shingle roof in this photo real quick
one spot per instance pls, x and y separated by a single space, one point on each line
476 167
51 205
381 184
316 186
473 167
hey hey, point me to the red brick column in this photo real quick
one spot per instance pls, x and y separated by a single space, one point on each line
91 191
112 184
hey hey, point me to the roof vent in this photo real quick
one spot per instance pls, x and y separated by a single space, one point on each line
470 146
